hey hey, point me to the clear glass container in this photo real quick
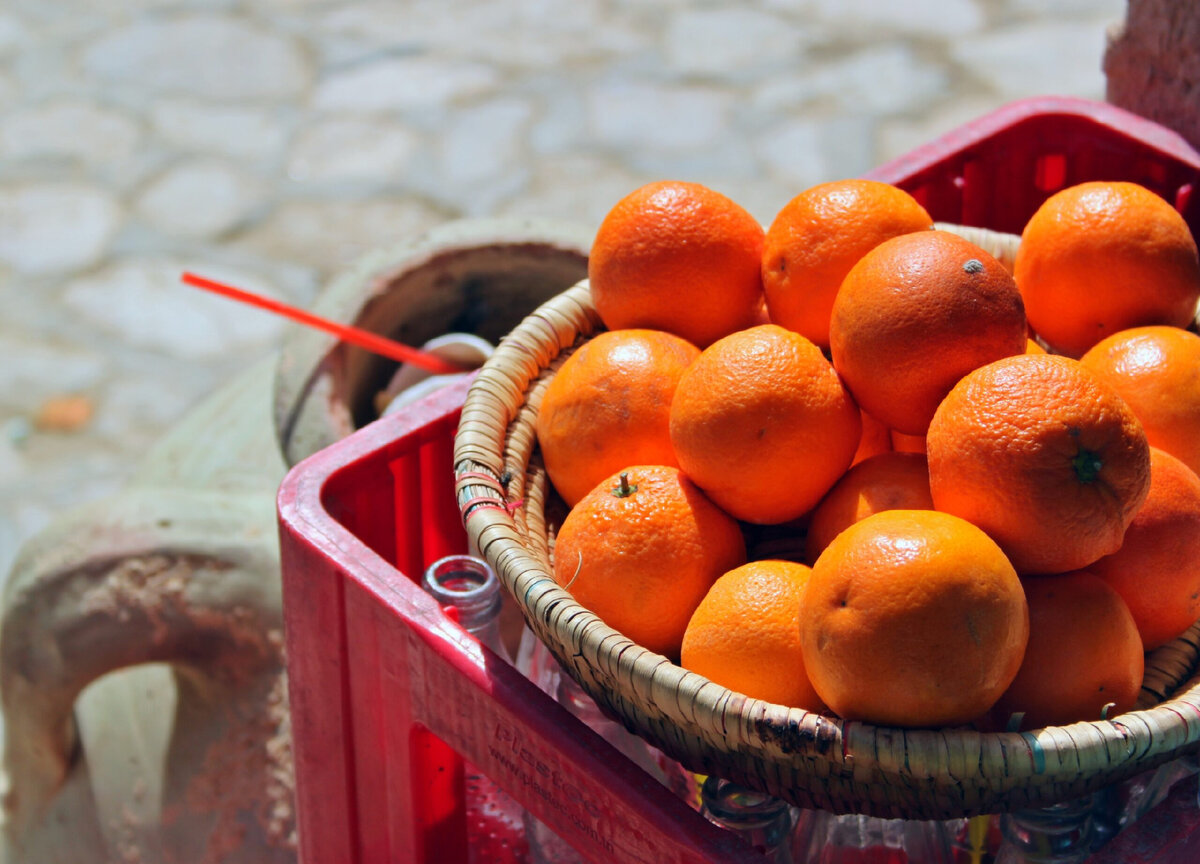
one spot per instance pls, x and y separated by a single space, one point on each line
762 821
470 586
829 838
537 663
1059 834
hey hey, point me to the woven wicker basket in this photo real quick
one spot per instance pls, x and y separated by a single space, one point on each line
808 759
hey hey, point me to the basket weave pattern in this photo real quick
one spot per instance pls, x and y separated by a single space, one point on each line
805 758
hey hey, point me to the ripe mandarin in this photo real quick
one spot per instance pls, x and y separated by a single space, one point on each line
1046 459
914 315
678 257
818 236
903 443
642 549
1156 370
887 481
876 438
745 634
609 406
1083 653
1157 568
762 423
912 618
1105 256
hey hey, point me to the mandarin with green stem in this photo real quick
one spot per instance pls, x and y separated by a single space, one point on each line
642 549
1041 455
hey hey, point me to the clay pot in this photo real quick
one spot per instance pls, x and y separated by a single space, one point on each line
141 665
471 276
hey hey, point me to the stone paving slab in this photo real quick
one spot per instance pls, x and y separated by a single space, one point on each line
271 143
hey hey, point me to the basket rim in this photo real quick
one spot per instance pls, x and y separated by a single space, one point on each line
502 514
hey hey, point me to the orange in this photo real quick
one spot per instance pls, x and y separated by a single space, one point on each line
642 549
1157 371
1047 460
903 443
677 257
608 406
1105 256
1033 347
745 634
763 425
912 618
761 315
914 315
818 236
1084 654
876 438
888 481
1157 568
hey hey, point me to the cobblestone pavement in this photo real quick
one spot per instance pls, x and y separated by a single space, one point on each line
272 142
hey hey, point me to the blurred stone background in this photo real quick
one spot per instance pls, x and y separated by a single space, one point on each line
269 143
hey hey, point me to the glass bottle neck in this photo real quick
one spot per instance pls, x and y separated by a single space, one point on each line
1060 833
763 821
470 586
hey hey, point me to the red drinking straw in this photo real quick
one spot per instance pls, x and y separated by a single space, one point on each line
372 342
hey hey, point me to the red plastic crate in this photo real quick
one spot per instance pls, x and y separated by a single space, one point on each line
994 172
379 675
375 667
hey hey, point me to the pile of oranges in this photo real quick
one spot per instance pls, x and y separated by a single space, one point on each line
853 464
